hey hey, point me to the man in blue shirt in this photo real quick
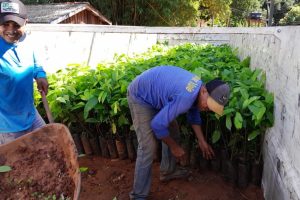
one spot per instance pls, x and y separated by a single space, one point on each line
156 98
18 67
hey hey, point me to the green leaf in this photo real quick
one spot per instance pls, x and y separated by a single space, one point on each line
92 120
254 110
216 136
258 104
228 110
114 128
244 93
89 106
102 96
261 113
256 74
5 168
247 102
228 122
83 169
258 109
253 135
61 99
78 105
115 107
235 90
122 120
87 94
238 120
72 89
246 62
232 142
269 98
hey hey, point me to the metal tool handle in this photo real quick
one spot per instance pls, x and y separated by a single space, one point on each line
46 106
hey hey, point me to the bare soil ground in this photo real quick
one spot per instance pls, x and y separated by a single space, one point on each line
112 180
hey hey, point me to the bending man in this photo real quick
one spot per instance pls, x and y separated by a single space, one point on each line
156 98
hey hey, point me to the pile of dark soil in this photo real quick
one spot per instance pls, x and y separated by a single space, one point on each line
38 172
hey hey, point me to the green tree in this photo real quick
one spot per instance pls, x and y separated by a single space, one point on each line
119 11
292 17
218 11
166 12
37 1
143 12
241 10
150 12
281 8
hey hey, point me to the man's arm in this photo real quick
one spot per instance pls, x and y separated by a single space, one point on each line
167 114
206 149
164 117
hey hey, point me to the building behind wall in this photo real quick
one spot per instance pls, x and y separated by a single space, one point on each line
65 13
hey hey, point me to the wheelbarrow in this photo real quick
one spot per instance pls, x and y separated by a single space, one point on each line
59 137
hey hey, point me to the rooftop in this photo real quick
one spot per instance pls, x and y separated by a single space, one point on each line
55 13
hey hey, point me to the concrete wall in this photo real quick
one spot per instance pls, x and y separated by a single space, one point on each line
278 54
276 50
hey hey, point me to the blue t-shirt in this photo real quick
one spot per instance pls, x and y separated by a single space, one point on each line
170 90
18 68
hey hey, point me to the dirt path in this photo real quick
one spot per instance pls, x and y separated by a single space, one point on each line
108 179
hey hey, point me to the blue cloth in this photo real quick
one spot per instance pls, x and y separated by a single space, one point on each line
18 68
9 137
171 91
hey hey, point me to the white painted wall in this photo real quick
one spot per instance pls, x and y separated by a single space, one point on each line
276 50
278 53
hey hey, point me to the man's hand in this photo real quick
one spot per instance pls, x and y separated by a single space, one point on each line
175 149
42 85
206 149
178 152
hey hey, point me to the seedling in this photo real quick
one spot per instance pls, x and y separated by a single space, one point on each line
83 169
5 168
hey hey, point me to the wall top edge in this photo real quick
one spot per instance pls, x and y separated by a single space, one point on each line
155 30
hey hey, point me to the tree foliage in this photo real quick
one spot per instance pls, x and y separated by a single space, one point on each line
281 8
149 12
241 10
217 10
182 12
292 17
